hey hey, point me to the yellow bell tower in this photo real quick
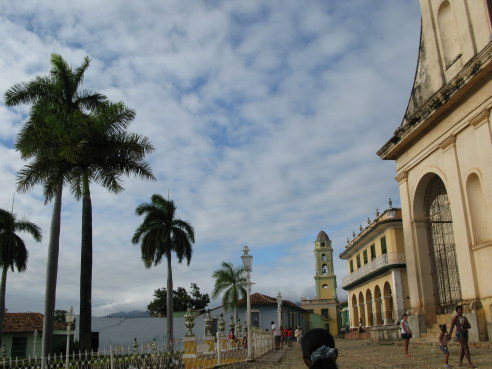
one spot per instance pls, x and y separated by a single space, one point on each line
325 304
325 279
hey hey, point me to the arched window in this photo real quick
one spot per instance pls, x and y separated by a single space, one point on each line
324 269
323 257
448 31
479 221
441 245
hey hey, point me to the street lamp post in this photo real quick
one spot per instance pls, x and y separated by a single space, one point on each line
247 263
69 318
279 309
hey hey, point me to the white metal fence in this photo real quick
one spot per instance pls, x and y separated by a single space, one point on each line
151 356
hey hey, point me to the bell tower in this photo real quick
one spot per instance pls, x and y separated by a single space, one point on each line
325 279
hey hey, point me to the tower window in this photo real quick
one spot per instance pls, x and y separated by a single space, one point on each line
323 257
324 269
322 244
384 250
325 286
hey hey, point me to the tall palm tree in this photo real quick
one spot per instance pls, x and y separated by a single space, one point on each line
49 139
230 281
109 153
161 234
13 251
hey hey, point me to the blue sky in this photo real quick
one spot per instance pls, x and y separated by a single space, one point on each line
266 117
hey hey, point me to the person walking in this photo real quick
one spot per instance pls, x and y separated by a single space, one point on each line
406 333
443 343
276 335
462 325
298 335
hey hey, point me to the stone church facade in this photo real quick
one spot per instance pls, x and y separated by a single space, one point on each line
443 155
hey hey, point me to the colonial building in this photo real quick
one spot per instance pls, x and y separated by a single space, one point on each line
376 282
325 303
21 335
443 154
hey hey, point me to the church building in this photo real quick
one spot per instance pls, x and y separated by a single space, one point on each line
325 303
443 155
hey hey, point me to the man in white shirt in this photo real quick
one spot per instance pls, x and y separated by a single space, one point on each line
277 335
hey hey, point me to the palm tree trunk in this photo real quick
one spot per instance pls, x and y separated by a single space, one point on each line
235 316
86 271
169 302
3 288
52 273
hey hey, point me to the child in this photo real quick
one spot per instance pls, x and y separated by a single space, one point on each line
443 344
318 349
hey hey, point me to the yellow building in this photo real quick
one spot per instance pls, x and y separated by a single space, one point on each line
443 155
376 282
325 303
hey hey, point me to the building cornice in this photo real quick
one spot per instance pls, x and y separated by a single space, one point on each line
471 74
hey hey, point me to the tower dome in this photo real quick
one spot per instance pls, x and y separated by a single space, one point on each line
322 236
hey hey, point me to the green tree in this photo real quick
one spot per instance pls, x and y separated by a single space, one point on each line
52 141
181 299
230 281
13 250
159 235
60 316
109 153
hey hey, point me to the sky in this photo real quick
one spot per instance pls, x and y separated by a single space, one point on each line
265 115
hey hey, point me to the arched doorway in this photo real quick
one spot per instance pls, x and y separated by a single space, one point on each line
355 312
442 248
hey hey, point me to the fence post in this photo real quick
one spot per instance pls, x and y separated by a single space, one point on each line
111 361
219 358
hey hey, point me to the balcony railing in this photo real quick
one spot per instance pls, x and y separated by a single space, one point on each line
393 258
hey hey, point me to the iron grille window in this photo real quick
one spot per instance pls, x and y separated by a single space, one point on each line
384 250
19 347
441 245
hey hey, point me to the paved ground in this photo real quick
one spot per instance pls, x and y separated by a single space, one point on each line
363 354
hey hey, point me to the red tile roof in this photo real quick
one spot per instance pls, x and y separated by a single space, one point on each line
26 322
260 299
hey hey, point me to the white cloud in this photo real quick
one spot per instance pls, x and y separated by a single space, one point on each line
265 115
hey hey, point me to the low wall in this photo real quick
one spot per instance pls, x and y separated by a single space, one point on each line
385 333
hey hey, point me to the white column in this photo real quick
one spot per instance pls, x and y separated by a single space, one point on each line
398 298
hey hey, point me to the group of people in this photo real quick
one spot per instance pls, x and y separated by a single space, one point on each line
319 351
286 336
458 323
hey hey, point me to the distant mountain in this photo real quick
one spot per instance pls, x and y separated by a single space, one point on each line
130 314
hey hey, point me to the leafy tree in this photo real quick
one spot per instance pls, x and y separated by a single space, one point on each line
159 235
13 251
181 299
60 316
109 153
229 280
51 140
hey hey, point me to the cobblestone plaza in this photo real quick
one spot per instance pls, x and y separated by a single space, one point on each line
363 354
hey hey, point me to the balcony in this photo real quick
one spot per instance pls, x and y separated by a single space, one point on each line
373 268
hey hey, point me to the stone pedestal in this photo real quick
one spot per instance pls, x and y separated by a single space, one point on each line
210 342
189 347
